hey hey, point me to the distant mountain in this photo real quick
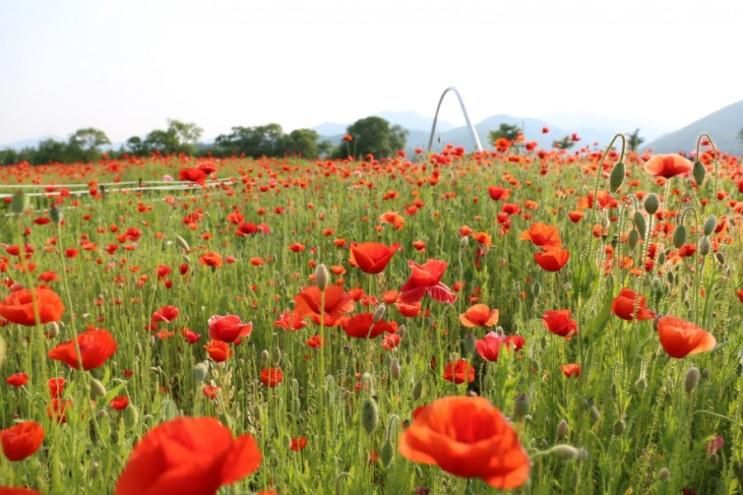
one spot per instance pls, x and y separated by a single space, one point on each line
330 128
593 127
30 143
723 125
414 121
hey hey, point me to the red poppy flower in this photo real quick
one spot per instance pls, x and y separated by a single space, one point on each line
571 370
17 379
558 321
467 437
489 347
228 328
96 346
6 490
218 350
188 455
192 175
479 315
271 377
56 386
497 193
18 306
426 279
298 443
668 165
681 338
552 260
290 321
362 326
165 314
21 440
629 305
459 371
542 235
309 302
211 259
372 257
120 403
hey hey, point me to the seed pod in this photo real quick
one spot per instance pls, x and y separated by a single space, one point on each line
633 239
664 474
709 225
704 246
691 380
97 388
322 276
369 415
619 427
386 453
651 203
417 390
379 312
698 172
562 429
565 452
679 236
395 368
521 406
640 223
617 177
200 371
55 214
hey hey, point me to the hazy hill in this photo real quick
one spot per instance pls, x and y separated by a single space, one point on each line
723 125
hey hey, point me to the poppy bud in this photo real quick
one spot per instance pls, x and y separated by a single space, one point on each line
469 343
379 312
704 246
595 414
199 371
664 474
691 380
322 276
52 330
662 257
401 330
395 368
265 356
97 388
521 406
617 177
710 224
565 452
640 223
182 243
278 355
56 214
698 172
19 203
641 383
464 242
619 427
386 453
562 429
536 288
720 257
131 416
3 349
651 203
634 238
679 236
369 415
417 390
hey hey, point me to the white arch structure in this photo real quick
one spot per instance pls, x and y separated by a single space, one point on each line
472 129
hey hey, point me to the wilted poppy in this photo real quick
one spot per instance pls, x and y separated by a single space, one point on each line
479 315
426 279
372 257
96 346
467 437
629 305
188 455
20 306
681 338
21 440
228 328
668 165
558 321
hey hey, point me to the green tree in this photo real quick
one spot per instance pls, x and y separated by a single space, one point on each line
265 140
563 144
50 151
9 156
300 142
179 137
373 135
634 140
507 131
84 143
136 146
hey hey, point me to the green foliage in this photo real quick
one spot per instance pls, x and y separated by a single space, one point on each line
634 141
373 135
505 131
256 141
563 144
740 135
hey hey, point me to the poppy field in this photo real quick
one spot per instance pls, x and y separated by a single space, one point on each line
525 320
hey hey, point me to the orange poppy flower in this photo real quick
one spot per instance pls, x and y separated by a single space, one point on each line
459 371
629 305
18 306
467 437
21 440
372 257
681 338
497 193
96 346
218 350
668 165
571 370
542 235
211 259
188 455
337 303
479 315
552 260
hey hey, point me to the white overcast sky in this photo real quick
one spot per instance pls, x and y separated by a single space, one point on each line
127 66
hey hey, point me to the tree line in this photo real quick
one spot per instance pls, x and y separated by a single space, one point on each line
370 135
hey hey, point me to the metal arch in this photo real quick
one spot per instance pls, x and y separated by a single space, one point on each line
472 129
